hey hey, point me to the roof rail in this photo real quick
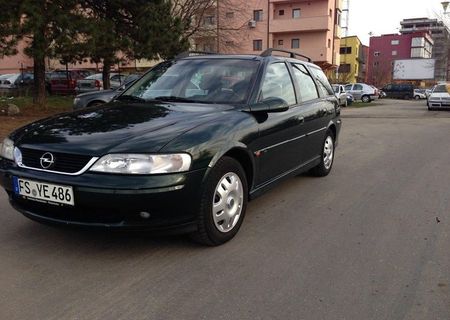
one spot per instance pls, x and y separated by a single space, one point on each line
186 54
268 53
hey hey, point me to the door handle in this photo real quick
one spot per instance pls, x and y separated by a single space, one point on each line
301 119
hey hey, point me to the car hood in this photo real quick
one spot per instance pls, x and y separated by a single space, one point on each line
116 127
439 95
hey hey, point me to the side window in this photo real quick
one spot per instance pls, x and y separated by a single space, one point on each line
308 90
357 87
278 84
322 81
348 87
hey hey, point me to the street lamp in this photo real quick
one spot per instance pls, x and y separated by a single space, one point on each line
445 6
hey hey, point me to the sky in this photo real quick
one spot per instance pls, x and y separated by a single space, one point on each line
384 16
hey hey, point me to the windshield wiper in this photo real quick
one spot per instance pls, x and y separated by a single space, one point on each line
175 99
127 97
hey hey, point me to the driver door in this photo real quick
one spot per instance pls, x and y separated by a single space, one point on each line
281 135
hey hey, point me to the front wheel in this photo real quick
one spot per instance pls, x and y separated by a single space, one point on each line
416 97
326 162
223 203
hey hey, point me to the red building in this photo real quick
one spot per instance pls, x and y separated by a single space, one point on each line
385 49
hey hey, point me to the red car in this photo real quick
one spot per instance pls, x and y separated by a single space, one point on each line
65 82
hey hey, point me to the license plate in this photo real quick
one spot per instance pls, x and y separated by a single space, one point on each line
43 191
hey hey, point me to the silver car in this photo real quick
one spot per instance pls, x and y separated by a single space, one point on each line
341 94
95 82
362 91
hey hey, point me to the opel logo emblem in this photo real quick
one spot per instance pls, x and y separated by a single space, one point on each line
47 160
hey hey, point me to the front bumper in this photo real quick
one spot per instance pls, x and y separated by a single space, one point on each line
113 201
441 104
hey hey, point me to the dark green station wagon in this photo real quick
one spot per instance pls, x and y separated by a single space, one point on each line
182 150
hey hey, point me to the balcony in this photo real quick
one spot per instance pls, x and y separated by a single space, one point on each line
320 23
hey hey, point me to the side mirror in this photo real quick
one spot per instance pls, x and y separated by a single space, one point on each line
268 105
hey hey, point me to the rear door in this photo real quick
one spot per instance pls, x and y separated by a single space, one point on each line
319 112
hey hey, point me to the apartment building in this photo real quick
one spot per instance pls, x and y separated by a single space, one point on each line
309 27
441 37
352 66
386 49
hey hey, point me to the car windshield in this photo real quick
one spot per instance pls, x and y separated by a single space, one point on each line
197 80
336 89
441 89
97 76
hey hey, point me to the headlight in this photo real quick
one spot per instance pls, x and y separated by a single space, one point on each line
7 149
143 163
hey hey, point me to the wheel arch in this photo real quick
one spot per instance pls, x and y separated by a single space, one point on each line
241 154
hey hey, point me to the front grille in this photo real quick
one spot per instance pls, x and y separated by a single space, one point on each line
63 162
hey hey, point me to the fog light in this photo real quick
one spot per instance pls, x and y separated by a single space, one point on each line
144 215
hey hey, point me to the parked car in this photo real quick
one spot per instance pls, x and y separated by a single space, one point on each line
95 98
419 94
439 98
340 93
16 84
185 160
350 99
362 91
399 91
95 82
65 81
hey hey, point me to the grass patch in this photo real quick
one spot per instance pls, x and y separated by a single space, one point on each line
54 103
360 104
31 112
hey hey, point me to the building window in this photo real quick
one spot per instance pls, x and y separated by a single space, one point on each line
295 13
229 43
376 63
394 52
418 53
329 43
257 15
281 12
209 20
295 43
257 45
344 68
280 42
395 42
230 14
345 50
331 13
418 42
376 54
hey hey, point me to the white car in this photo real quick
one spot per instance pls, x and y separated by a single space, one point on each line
419 94
439 98
340 93
362 91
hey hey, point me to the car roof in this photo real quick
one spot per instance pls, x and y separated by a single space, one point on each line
246 57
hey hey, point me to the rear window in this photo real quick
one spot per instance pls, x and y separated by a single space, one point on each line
322 81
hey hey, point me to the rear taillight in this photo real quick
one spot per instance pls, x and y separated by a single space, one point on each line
98 84
72 83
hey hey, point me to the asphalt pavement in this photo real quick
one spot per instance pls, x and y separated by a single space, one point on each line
370 241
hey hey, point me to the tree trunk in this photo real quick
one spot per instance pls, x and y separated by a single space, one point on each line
105 73
39 98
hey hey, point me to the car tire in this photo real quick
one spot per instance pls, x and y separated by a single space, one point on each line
223 203
365 99
416 97
406 97
327 158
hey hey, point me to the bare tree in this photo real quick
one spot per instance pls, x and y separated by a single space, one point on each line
213 25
